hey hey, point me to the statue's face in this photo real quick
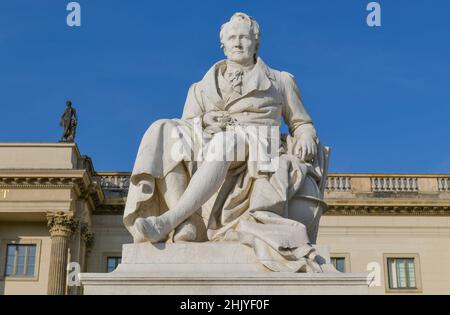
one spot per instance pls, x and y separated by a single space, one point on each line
239 44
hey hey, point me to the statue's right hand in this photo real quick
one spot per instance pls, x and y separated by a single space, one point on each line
216 119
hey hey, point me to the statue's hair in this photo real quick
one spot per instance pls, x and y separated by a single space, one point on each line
254 26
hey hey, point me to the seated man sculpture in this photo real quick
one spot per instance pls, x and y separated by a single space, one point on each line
274 209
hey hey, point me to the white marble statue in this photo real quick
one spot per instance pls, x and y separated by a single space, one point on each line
274 209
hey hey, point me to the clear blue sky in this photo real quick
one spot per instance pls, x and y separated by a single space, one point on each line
380 97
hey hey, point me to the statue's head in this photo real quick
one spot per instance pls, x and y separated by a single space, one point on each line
69 103
239 38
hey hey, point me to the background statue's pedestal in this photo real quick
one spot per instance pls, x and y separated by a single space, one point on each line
213 268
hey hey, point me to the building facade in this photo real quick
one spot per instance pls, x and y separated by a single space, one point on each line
58 217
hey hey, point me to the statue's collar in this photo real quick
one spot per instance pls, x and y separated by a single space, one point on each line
259 78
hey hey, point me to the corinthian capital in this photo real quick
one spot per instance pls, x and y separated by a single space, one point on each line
61 224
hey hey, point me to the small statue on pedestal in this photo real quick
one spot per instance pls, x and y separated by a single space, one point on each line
69 123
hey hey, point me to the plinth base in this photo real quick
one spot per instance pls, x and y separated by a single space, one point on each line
212 269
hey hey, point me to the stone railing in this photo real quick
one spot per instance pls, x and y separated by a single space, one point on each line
444 184
338 183
118 182
396 184
373 183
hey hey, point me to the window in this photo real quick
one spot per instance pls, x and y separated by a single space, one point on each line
402 273
20 260
338 263
112 263
341 261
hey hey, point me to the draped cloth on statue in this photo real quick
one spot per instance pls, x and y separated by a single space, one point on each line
251 205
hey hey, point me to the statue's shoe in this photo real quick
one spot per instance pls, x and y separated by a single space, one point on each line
151 228
185 232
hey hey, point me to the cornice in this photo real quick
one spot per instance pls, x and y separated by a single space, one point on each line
341 210
79 180
388 210
364 175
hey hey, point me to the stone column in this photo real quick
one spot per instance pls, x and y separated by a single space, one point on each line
61 225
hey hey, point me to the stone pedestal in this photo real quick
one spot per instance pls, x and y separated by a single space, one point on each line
211 269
